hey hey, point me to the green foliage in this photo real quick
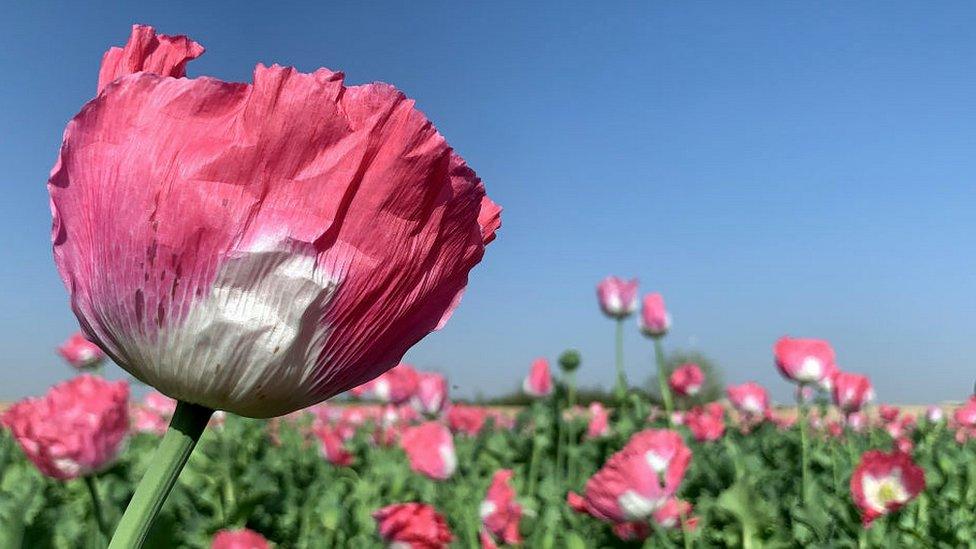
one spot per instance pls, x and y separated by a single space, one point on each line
745 488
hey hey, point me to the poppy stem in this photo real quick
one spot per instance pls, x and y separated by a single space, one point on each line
97 507
621 390
804 464
663 381
188 423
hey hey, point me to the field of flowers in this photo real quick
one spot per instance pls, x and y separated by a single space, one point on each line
398 462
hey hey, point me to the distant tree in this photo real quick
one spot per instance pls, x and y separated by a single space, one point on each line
712 389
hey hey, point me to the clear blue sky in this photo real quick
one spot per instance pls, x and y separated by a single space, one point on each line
771 167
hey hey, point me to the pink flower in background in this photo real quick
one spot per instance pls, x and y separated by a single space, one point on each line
159 403
258 248
332 447
654 320
239 539
636 481
934 414
395 386
147 421
599 425
430 449
883 483
852 391
500 513
856 421
618 297
431 394
465 419
81 353
888 413
77 428
804 360
826 383
670 514
413 526
750 398
706 423
965 415
686 380
539 381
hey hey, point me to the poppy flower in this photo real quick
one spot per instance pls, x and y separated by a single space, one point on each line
686 380
413 526
76 429
884 482
750 398
332 447
81 353
804 360
599 424
239 539
500 513
258 248
852 391
654 320
430 449
539 381
636 481
706 423
466 419
431 394
617 297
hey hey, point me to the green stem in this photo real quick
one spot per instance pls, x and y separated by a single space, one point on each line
97 506
662 379
184 431
804 463
571 388
534 465
621 391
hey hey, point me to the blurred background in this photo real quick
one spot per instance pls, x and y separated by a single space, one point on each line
783 168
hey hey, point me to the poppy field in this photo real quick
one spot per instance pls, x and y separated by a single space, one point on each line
396 462
259 257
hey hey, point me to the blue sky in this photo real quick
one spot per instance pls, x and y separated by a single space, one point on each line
771 167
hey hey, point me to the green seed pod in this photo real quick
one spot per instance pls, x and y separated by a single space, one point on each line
570 360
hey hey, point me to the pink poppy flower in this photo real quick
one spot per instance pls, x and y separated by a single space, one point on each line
706 423
826 383
888 413
539 381
670 515
145 420
632 530
258 248
81 353
856 421
749 398
965 415
934 414
883 483
599 425
465 419
654 320
686 380
852 391
413 526
618 297
76 429
804 360
239 539
395 386
431 394
636 481
430 449
500 513
332 447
